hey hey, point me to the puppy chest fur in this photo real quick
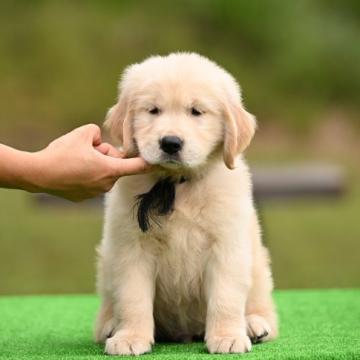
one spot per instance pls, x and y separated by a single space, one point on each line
179 306
185 245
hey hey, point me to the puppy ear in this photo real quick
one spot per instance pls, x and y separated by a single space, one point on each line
240 127
118 122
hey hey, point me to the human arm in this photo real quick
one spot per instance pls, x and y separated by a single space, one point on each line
75 166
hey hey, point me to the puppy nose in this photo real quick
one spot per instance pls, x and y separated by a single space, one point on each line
171 144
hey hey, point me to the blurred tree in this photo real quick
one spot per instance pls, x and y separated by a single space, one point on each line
60 61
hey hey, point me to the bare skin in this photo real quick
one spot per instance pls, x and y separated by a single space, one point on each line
76 166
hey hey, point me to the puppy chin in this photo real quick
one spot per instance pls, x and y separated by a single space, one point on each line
166 162
171 164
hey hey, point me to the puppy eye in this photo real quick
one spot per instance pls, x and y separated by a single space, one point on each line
195 112
154 111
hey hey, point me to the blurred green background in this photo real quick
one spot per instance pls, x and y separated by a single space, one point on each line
298 63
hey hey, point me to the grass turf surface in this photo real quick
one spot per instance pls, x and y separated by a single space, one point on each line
314 325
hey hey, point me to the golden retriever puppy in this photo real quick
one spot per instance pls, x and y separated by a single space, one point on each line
181 256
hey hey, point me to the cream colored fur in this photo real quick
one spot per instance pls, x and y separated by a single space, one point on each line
203 270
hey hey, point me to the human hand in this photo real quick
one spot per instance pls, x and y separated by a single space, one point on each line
79 165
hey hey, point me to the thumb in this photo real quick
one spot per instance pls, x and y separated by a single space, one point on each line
131 166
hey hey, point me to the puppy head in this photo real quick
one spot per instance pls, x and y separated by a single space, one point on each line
175 111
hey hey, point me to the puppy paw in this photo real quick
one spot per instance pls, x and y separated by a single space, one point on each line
258 329
228 344
121 344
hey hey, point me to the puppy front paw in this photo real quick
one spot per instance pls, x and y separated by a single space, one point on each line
122 344
228 344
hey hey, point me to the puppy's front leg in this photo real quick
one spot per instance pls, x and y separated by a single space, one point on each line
227 282
133 282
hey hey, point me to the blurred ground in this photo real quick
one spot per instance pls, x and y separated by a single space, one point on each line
297 62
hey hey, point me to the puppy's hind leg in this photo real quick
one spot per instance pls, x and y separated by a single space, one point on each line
104 325
261 316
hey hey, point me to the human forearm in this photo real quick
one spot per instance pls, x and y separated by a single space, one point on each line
17 169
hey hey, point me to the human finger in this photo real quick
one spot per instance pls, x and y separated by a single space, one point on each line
131 166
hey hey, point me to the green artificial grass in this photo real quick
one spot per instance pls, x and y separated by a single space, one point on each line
314 325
